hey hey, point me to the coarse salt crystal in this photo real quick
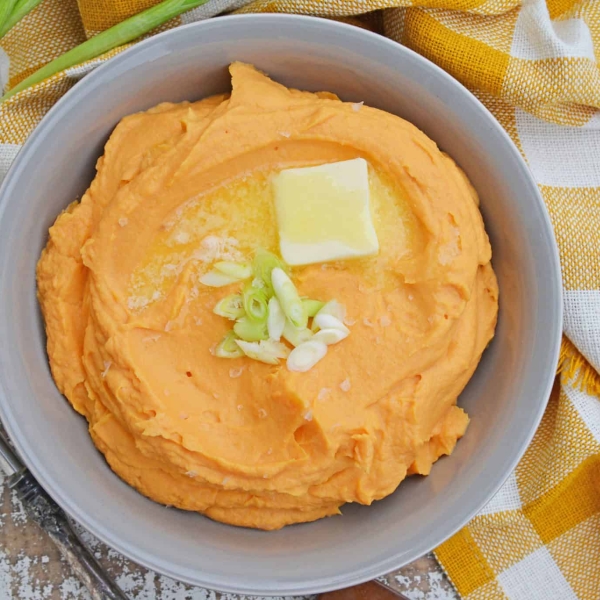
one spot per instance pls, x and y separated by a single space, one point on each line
345 385
285 134
368 323
182 237
411 297
356 106
240 407
348 321
385 321
262 413
107 365
323 393
234 373
169 325
123 221
191 473
226 480
198 321
430 318
308 416
151 338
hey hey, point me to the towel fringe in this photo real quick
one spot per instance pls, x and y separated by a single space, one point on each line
576 371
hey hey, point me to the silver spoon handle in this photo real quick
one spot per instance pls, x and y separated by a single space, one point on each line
51 518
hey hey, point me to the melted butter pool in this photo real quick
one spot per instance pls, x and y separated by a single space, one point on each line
231 221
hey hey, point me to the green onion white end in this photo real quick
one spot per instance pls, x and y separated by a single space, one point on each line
296 336
239 271
305 356
275 320
217 279
266 351
288 297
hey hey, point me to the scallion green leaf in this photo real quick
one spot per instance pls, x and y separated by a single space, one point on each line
7 7
263 265
251 331
255 303
312 307
123 32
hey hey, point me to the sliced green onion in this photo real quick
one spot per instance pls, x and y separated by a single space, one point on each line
275 320
240 271
335 309
267 351
296 336
263 265
330 336
231 307
288 297
255 303
251 331
306 356
329 322
227 347
217 279
312 307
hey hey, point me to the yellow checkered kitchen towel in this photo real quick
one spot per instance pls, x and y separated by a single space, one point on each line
534 64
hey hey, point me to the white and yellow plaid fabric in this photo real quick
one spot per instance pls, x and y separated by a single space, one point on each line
535 65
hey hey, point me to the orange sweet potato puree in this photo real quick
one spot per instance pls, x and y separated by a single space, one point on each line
130 328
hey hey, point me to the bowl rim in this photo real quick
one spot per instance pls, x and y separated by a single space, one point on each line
373 570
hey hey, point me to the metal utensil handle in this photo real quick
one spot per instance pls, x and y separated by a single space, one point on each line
51 518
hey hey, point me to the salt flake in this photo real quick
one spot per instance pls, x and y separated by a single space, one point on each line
107 365
235 373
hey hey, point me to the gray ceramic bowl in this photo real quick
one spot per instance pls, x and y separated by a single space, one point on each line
505 398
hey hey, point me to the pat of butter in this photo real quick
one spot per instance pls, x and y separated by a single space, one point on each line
323 213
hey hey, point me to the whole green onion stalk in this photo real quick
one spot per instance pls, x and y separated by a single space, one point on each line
120 34
6 9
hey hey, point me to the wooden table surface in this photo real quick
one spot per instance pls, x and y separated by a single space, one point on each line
31 568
